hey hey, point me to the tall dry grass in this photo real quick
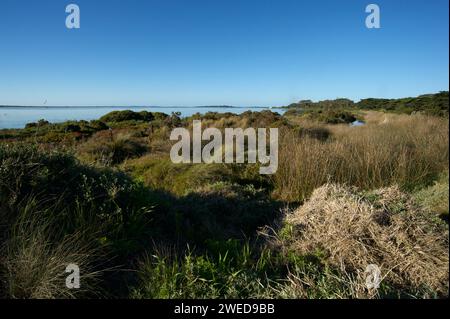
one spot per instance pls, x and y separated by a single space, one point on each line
410 151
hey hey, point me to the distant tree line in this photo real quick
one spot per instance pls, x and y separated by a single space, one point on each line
433 104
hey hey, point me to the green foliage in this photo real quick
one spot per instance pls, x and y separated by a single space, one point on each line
58 133
326 104
210 116
63 185
331 116
217 209
432 104
206 201
107 149
233 269
98 125
229 273
161 173
435 198
121 116
40 123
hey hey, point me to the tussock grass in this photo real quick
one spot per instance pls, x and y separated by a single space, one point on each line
107 148
384 227
34 257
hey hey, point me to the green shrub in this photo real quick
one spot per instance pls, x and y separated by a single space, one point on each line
431 104
61 182
98 125
329 116
40 123
122 116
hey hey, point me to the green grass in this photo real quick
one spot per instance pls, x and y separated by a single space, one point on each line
435 197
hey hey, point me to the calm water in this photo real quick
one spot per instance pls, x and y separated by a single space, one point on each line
17 117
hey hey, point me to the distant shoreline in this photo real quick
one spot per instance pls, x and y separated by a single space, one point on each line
140 107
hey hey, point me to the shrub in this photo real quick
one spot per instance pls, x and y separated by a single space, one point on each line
72 128
98 125
64 184
40 123
122 116
331 116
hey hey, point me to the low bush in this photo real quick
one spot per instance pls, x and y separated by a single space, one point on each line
122 116
330 116
69 188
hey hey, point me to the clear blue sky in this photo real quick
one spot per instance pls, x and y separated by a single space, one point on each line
214 52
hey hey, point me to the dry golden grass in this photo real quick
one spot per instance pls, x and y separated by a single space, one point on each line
384 227
410 151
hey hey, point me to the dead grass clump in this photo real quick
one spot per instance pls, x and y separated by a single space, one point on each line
384 228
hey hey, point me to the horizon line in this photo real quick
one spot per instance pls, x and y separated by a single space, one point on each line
226 105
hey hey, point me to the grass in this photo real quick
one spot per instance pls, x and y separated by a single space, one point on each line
35 256
410 151
110 149
105 195
435 197
354 230
202 276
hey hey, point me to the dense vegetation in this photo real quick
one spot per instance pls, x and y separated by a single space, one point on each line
105 195
432 104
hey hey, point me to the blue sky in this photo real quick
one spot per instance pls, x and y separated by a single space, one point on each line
216 52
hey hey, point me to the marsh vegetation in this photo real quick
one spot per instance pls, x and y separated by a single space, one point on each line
104 194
